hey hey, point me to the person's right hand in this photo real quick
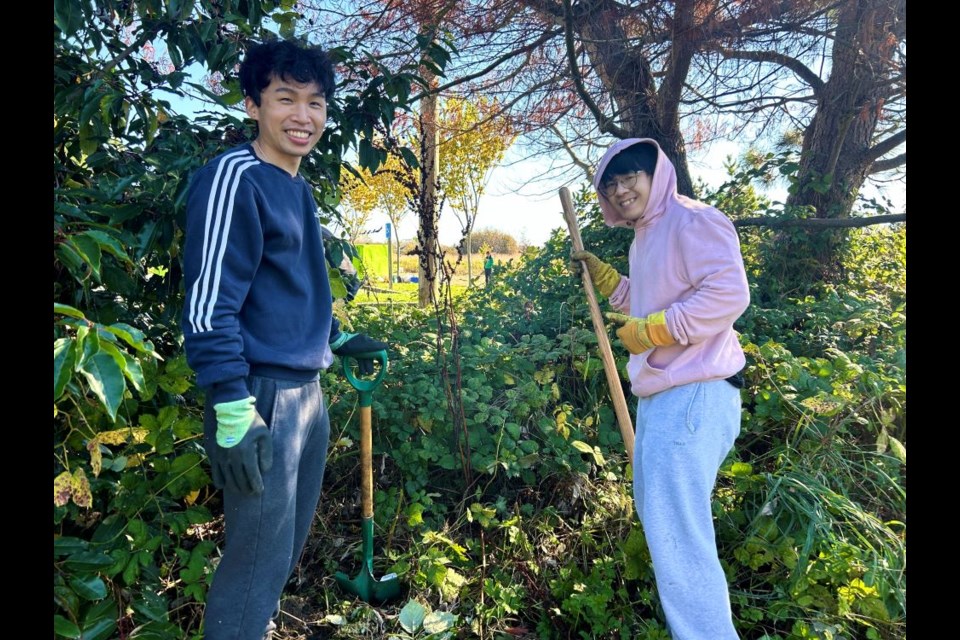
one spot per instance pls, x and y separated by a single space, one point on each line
360 347
244 447
605 278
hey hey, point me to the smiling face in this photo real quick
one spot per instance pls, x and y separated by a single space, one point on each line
628 194
290 117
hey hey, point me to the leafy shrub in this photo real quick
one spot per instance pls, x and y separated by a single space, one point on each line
494 240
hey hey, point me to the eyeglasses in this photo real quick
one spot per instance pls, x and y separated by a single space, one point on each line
610 187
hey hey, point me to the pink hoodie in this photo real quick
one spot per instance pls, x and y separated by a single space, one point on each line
685 258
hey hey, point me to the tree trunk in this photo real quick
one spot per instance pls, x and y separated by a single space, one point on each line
836 156
427 234
641 110
470 256
397 237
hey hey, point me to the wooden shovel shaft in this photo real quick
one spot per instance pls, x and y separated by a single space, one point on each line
366 463
606 353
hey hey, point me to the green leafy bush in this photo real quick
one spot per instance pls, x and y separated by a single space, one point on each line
810 509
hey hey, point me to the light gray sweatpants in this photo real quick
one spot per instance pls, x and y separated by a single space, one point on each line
683 435
265 534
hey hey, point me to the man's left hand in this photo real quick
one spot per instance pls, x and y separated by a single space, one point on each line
358 345
642 334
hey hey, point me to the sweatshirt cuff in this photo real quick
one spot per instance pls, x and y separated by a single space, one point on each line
620 298
228 391
335 333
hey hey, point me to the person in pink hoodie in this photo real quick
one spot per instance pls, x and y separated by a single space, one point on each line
686 287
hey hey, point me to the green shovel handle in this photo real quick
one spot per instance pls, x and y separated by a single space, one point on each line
366 387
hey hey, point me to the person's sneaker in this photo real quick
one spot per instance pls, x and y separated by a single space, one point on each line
271 627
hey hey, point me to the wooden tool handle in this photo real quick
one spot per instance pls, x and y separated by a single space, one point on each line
606 353
366 463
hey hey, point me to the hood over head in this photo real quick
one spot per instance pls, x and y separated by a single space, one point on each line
663 185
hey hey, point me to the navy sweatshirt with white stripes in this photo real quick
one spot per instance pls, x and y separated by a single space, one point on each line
258 294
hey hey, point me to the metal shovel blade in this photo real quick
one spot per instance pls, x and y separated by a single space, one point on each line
364 585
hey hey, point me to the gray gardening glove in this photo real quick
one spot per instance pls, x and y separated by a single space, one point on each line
360 347
244 447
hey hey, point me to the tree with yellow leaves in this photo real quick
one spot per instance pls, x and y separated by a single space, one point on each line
359 199
381 190
472 142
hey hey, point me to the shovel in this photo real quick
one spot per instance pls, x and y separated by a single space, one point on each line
364 585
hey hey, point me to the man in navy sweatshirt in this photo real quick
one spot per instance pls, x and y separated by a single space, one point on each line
258 328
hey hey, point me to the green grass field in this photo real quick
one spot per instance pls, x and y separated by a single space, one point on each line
408 268
380 293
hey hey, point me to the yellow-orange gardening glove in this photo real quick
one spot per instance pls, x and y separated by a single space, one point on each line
605 278
642 334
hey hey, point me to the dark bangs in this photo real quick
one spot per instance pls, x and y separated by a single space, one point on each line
639 157
289 61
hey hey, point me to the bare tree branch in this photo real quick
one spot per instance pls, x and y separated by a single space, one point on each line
886 165
684 46
526 49
574 157
758 13
819 223
886 146
604 123
793 64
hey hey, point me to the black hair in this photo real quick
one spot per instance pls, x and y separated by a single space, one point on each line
639 157
286 60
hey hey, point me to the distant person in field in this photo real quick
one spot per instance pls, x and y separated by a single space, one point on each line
487 269
258 329
685 289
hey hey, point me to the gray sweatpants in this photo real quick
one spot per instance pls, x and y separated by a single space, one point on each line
265 534
683 435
